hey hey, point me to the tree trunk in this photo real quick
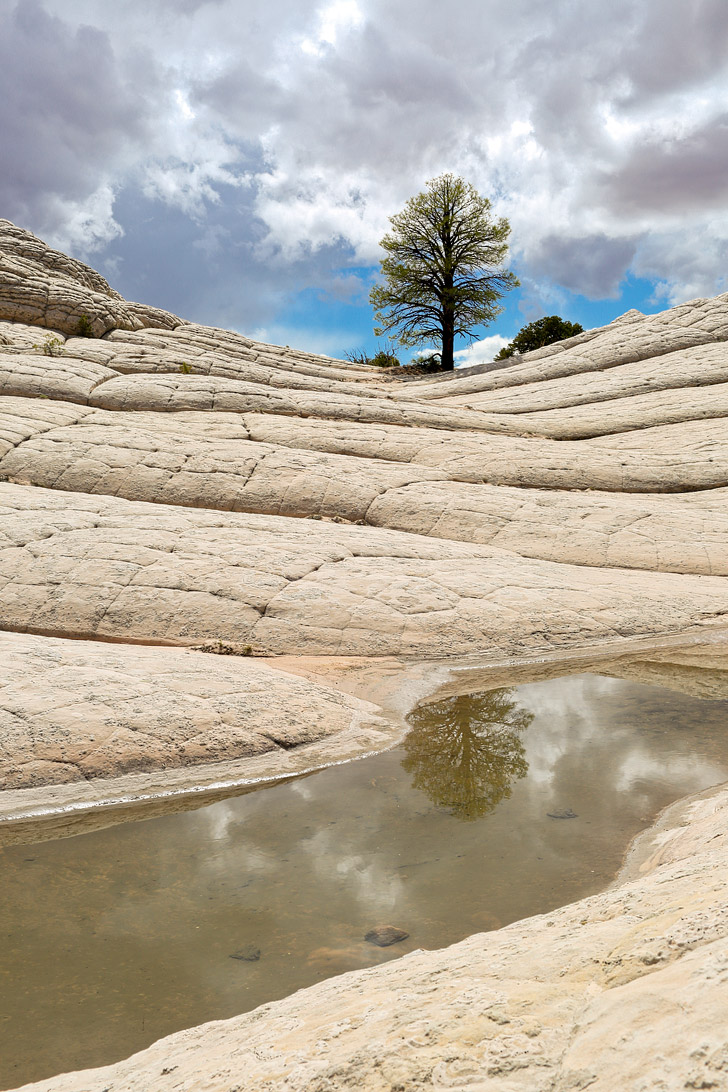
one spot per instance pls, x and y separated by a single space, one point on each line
447 358
447 304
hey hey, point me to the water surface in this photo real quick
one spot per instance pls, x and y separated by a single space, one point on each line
114 938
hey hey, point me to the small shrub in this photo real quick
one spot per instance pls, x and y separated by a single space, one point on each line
430 362
356 356
219 648
85 328
185 368
383 358
421 365
52 346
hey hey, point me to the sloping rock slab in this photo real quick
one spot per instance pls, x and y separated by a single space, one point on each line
73 710
43 287
74 565
623 990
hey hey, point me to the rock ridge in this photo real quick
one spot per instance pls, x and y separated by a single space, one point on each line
625 989
166 485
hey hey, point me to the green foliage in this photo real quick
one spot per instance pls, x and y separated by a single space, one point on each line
544 331
443 267
383 358
52 346
85 328
185 368
465 752
427 363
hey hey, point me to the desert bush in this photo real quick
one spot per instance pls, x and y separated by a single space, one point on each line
52 346
385 357
85 328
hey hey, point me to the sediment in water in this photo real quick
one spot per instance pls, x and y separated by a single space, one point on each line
289 505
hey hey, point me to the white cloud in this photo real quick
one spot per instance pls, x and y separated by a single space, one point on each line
327 342
480 352
88 225
701 258
305 209
184 107
602 137
333 20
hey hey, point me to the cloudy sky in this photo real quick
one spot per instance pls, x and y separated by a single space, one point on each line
236 161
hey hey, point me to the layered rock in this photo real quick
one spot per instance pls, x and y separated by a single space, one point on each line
625 990
166 487
75 710
45 288
155 480
98 567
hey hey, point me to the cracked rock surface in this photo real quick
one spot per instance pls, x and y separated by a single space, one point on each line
166 487
624 990
168 482
76 710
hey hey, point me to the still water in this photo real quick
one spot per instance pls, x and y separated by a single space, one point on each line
111 939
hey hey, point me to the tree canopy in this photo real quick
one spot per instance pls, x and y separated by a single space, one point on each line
443 267
465 752
544 331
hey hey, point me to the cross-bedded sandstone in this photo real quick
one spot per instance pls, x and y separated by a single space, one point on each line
160 472
154 483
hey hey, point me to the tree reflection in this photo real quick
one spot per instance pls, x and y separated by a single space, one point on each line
465 752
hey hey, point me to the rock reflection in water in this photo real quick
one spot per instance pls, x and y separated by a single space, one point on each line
465 752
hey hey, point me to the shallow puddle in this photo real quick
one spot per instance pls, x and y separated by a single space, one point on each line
497 806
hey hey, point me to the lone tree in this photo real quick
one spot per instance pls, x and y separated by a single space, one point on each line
443 267
544 331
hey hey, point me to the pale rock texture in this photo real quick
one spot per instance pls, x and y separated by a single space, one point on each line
166 487
75 710
699 366
633 337
153 480
75 565
624 990
45 288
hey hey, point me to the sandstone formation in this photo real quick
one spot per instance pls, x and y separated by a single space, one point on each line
45 288
169 491
71 711
624 990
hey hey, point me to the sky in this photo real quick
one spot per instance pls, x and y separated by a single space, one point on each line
236 162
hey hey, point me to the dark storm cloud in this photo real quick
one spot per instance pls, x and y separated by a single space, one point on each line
674 44
245 96
267 143
196 269
190 7
673 176
66 111
592 265
209 270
